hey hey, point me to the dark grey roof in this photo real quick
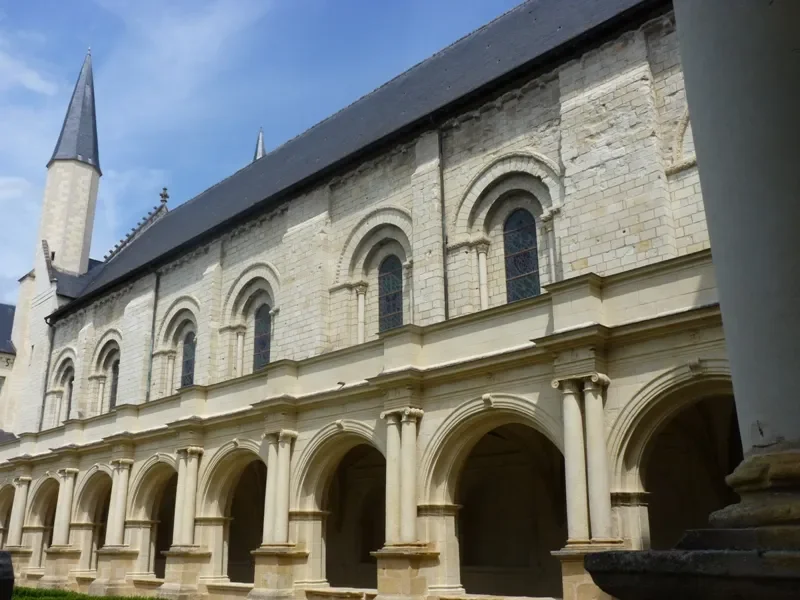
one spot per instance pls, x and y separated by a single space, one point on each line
260 152
70 285
6 323
528 38
78 138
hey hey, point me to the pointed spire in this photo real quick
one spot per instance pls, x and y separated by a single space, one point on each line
78 139
259 145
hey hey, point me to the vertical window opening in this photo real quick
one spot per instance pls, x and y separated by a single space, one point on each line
390 293
521 256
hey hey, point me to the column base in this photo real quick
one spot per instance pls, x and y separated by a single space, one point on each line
59 561
182 572
576 582
753 553
20 557
275 570
113 565
400 571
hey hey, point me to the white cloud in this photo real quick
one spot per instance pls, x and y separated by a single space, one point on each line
159 75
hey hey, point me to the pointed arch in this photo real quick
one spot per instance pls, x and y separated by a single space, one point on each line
641 418
460 431
389 222
321 455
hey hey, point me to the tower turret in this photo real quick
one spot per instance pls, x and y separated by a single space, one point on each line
73 176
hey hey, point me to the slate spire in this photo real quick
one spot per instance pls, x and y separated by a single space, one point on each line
78 139
259 145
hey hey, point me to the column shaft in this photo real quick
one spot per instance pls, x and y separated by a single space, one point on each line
120 499
282 485
361 294
240 353
177 525
268 535
170 382
101 392
18 509
408 477
190 495
64 508
483 277
575 465
111 534
392 478
597 460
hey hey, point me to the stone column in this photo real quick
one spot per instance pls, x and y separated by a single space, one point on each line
548 222
177 525
361 294
169 386
597 457
115 533
408 475
239 353
193 454
408 284
574 463
18 510
482 249
285 439
101 392
268 535
392 477
743 91
66 490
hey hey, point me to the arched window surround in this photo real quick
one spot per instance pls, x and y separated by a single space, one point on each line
60 396
105 373
371 286
180 319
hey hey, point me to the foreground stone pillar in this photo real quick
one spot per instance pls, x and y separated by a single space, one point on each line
285 439
742 70
60 557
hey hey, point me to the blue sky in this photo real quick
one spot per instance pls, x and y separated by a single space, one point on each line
182 87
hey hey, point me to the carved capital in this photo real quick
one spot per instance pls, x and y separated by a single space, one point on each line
191 451
597 380
287 435
549 213
412 414
481 245
568 385
392 417
23 480
360 288
67 472
122 463
274 311
408 266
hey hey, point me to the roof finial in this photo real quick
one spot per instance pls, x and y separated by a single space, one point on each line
260 152
164 196
89 51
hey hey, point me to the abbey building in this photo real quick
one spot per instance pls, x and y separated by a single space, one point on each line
440 345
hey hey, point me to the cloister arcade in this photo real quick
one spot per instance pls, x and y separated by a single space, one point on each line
492 498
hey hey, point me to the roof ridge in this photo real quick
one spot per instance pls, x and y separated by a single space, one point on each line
151 217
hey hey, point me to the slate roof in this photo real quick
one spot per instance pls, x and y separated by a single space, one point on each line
531 37
78 138
6 322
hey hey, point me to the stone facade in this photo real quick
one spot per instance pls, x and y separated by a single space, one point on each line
481 448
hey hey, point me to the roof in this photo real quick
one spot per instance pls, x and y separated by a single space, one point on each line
78 138
529 37
6 323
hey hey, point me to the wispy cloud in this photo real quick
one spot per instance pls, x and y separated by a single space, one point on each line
159 72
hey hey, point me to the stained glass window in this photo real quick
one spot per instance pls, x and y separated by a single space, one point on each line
261 338
522 261
112 399
390 293
187 369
